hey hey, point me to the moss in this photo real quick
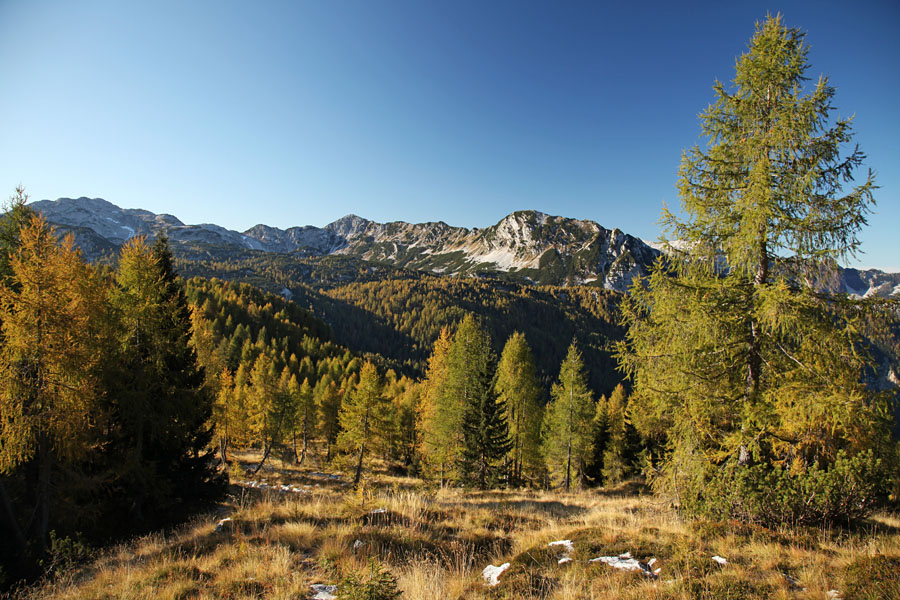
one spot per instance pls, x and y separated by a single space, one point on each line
727 587
398 545
644 545
872 578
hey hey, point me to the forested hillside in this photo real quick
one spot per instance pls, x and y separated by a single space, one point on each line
397 314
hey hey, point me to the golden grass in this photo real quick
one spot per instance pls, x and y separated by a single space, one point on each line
436 542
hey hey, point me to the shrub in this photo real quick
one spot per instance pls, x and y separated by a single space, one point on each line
377 584
846 490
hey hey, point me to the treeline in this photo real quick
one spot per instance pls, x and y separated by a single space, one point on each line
271 367
394 315
104 417
472 420
419 309
482 422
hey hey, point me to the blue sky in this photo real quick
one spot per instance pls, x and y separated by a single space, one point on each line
296 113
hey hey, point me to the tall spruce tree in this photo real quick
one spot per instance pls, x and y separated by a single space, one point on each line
741 361
161 408
568 430
470 384
519 390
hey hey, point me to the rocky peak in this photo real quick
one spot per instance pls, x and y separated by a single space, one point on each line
349 226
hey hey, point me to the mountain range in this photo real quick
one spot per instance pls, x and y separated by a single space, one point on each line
525 245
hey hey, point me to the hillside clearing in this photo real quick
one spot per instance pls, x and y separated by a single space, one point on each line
281 541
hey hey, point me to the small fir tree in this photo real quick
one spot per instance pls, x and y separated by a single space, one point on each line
269 406
306 414
615 459
519 391
363 417
470 383
327 396
567 430
440 417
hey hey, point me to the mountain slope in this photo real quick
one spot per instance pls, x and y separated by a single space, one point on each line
526 246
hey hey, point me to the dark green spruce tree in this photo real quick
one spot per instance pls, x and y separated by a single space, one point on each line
470 380
160 407
746 369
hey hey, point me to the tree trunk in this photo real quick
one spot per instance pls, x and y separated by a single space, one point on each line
266 449
568 462
754 358
44 489
297 459
11 519
303 450
517 452
359 464
223 448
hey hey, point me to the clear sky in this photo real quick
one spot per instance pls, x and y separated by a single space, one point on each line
297 113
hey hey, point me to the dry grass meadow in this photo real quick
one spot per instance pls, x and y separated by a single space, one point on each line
435 543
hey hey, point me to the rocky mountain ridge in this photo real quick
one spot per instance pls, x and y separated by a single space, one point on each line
525 245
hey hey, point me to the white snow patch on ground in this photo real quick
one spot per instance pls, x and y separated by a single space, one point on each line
323 592
491 573
111 219
566 544
282 488
720 560
625 561
130 230
568 548
222 524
